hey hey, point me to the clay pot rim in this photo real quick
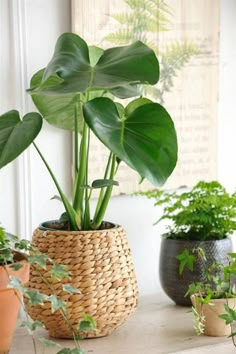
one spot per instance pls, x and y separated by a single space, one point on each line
43 227
221 299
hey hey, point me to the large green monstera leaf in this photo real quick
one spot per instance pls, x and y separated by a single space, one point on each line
76 69
16 134
144 137
70 70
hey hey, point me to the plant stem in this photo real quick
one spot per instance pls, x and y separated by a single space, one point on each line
68 208
63 313
101 194
79 189
76 149
101 212
86 218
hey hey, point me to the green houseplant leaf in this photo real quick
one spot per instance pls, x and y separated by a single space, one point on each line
58 110
145 139
117 67
16 134
78 83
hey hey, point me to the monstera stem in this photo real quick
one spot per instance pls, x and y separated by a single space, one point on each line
98 218
102 190
69 210
80 183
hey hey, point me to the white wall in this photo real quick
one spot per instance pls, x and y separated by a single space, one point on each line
28 33
227 96
29 30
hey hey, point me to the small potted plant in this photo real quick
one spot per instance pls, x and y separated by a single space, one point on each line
202 218
12 263
214 301
81 90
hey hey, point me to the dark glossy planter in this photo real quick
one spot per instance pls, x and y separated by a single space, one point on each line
175 285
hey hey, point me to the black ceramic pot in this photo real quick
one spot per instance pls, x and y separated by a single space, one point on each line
175 285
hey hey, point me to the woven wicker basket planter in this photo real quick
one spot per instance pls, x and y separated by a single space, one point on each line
102 269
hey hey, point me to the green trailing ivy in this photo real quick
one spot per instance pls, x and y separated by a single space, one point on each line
9 244
219 284
186 260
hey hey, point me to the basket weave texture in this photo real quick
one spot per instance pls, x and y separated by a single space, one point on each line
102 269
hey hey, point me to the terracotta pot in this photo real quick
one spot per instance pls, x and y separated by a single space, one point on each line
9 303
102 269
214 325
176 285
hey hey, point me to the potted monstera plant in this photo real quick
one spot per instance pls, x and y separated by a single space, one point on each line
200 219
81 89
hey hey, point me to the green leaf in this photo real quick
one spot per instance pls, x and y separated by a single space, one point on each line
40 259
32 325
16 134
16 266
15 283
116 67
59 271
135 104
35 297
58 110
145 139
70 289
87 324
100 183
48 343
56 303
186 260
2 234
230 315
95 54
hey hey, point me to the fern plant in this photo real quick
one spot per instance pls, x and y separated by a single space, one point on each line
207 212
148 17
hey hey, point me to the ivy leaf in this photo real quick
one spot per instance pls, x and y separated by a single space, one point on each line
31 326
48 343
40 259
58 272
230 315
88 323
70 289
16 266
56 303
186 260
15 283
23 245
35 297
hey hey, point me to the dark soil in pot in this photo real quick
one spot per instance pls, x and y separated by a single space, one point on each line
64 226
